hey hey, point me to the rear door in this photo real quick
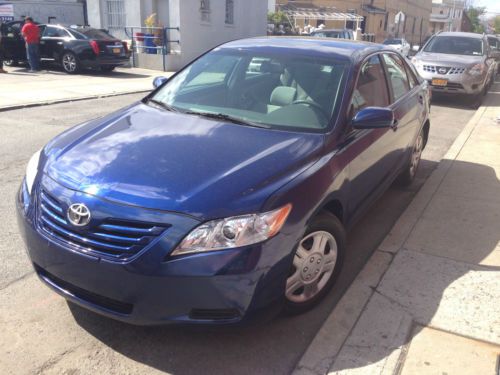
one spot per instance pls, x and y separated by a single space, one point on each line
13 42
52 42
407 102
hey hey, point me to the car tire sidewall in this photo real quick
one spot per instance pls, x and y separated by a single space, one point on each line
329 223
77 69
10 62
406 178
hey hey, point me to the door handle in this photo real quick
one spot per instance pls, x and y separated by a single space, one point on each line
395 124
59 42
42 42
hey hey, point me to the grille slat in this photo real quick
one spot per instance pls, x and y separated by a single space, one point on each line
111 237
449 69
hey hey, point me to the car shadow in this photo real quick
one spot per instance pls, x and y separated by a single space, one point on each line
57 70
275 347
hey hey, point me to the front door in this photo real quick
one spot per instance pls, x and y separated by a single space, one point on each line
13 42
374 152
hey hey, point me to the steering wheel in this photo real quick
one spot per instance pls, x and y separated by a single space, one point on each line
314 105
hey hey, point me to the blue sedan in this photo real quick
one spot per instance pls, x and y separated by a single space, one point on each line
225 194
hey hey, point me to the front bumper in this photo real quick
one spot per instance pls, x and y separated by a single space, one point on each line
463 83
225 287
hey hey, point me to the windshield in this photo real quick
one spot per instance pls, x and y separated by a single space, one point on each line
455 45
392 41
272 89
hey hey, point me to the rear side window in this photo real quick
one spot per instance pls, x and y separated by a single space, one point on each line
55 32
91 33
371 89
396 75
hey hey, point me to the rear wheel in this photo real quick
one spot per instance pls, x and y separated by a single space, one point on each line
316 263
408 175
11 62
70 63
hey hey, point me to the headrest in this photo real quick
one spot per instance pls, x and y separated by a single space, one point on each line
283 95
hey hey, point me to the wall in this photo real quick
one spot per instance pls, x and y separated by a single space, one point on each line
197 36
69 12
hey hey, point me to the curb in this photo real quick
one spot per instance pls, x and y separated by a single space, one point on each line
325 346
67 100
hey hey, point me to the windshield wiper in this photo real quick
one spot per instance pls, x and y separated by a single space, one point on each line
223 116
163 105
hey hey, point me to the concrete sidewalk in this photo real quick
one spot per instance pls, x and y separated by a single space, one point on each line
19 88
428 301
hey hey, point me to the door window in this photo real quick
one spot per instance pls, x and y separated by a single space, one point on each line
54 32
371 88
396 75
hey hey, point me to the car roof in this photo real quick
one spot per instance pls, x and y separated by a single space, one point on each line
460 33
319 31
323 47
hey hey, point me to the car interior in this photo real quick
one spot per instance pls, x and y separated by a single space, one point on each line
282 92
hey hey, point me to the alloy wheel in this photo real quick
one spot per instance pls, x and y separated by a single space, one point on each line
416 154
313 266
69 63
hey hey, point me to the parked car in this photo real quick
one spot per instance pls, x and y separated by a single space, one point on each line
457 63
225 194
399 44
73 47
334 33
494 44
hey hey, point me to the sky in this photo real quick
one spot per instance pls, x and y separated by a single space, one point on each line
492 6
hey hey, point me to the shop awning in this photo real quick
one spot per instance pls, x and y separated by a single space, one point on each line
319 13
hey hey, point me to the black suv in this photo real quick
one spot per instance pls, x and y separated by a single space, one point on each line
73 47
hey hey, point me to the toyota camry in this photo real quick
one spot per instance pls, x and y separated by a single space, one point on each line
226 193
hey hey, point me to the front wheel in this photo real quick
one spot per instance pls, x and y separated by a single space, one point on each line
316 263
70 63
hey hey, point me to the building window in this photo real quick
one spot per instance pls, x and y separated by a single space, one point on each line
205 10
229 12
115 15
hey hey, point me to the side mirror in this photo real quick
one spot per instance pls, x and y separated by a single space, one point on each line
415 48
158 81
373 118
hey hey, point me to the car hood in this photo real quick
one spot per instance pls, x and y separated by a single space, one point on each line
448 60
163 160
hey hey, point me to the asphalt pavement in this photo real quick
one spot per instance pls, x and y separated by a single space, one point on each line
41 334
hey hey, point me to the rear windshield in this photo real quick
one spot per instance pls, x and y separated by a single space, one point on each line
392 41
455 45
89 33
329 34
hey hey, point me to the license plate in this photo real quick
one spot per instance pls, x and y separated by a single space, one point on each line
439 82
117 50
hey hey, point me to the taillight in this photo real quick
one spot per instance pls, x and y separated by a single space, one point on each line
95 46
125 46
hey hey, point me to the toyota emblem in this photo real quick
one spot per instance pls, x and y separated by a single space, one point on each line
78 214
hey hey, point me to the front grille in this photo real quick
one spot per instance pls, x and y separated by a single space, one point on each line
95 299
110 237
449 70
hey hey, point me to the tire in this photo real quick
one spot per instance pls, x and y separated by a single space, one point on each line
477 100
107 68
317 262
408 174
70 63
11 62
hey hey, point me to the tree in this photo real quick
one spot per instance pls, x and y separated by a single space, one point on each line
474 14
496 24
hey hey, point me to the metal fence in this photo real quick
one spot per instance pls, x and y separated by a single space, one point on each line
150 40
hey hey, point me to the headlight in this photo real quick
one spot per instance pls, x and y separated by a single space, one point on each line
416 62
233 232
32 170
477 70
